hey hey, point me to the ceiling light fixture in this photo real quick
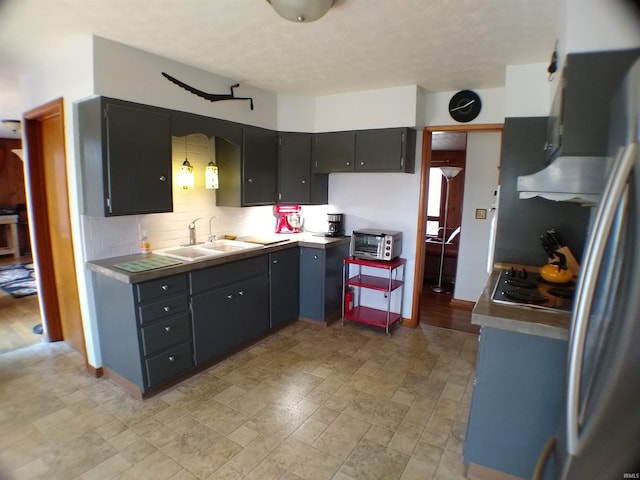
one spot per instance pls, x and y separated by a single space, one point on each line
11 124
301 11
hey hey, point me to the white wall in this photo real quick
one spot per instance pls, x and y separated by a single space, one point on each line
436 107
296 113
481 180
527 91
131 74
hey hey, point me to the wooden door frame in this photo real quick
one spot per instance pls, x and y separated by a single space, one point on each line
39 222
418 272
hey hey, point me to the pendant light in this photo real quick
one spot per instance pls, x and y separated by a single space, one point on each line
301 11
211 176
186 171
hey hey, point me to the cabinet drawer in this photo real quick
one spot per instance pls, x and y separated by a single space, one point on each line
162 287
169 364
167 332
228 273
164 308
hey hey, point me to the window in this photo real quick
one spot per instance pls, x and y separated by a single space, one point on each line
434 202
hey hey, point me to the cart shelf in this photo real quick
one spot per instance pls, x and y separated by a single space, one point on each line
386 284
374 283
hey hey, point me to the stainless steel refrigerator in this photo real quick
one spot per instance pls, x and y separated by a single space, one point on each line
600 435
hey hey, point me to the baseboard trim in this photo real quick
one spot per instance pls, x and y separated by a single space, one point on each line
479 472
462 304
95 372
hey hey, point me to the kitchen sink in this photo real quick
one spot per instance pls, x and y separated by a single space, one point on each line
191 253
226 246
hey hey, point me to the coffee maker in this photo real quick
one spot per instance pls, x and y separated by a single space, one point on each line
289 218
336 225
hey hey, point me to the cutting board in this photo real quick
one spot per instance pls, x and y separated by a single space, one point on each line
265 240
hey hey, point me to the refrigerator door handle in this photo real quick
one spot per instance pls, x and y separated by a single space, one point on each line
595 247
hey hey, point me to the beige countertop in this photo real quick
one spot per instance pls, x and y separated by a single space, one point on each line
528 320
107 266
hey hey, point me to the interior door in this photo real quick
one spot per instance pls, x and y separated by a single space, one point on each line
47 177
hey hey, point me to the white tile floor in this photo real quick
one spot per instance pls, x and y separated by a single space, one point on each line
308 403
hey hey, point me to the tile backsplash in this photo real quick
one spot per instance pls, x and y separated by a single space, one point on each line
106 237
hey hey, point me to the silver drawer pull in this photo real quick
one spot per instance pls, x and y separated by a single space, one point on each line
361 163
229 297
165 287
348 163
163 178
315 257
275 261
171 358
166 308
241 292
167 329
250 180
303 182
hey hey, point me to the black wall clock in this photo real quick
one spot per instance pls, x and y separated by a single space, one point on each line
464 106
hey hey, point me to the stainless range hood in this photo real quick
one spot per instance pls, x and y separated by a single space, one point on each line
578 127
567 179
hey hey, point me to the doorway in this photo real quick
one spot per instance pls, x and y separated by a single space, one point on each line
51 224
442 309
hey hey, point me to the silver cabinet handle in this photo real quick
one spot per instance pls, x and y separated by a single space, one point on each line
275 261
166 308
241 292
229 297
303 182
165 287
167 329
315 257
596 246
361 163
171 358
348 163
163 178
250 180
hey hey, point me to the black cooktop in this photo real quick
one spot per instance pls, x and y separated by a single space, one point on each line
528 289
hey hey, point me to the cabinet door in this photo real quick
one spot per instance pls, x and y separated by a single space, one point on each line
138 159
294 168
383 150
283 286
333 278
252 308
213 324
312 283
333 152
259 167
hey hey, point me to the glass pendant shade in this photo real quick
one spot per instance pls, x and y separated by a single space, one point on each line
186 176
302 11
211 176
450 172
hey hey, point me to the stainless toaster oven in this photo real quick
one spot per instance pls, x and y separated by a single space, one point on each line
374 244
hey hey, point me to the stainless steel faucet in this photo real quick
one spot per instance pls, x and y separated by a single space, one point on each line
212 238
192 231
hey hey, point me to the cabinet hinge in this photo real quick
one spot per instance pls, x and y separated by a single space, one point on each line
279 196
401 162
109 203
402 137
279 142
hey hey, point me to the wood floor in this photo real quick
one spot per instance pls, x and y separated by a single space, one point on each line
18 316
436 309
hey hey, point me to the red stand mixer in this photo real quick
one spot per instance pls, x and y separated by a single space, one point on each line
289 218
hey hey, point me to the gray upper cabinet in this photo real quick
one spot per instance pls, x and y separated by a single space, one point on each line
333 152
379 150
247 172
385 150
126 157
296 183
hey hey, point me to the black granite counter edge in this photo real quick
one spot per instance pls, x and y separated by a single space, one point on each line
518 319
106 266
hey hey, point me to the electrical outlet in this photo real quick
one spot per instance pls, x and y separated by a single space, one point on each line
481 213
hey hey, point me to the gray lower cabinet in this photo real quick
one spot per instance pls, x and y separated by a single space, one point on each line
145 333
517 400
229 306
321 281
283 286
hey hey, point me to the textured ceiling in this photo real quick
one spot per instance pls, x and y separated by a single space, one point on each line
360 44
